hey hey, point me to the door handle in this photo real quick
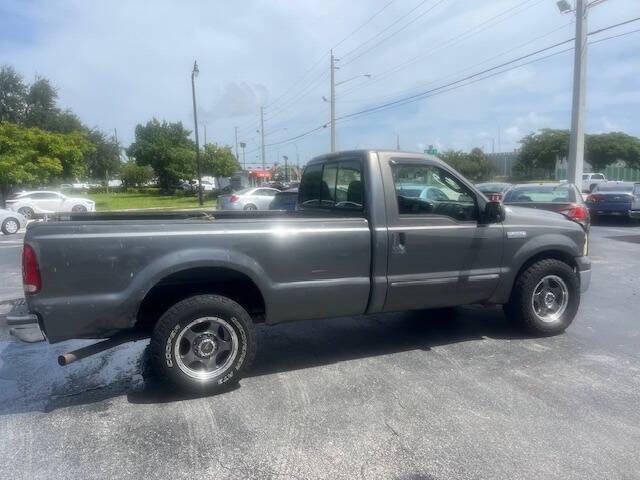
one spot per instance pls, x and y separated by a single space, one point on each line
398 244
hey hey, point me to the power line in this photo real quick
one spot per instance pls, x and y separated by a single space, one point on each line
482 26
473 78
362 25
415 19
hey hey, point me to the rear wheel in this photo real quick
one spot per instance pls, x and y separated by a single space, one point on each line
251 206
10 226
204 343
545 298
78 208
26 212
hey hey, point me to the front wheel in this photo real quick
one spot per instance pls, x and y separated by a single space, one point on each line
10 226
250 207
204 343
545 298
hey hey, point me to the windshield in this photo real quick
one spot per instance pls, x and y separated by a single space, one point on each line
541 194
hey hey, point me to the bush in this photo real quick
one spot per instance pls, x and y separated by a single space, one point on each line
136 175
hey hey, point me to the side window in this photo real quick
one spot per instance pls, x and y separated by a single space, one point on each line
309 191
265 192
328 185
349 187
430 190
598 176
45 196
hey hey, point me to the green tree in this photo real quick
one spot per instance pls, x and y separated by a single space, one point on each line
134 175
606 148
166 148
40 104
34 156
104 161
540 150
219 161
12 95
475 165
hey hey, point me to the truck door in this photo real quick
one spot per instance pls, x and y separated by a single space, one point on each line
439 255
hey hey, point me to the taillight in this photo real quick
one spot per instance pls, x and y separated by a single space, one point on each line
234 198
495 197
30 271
594 198
577 213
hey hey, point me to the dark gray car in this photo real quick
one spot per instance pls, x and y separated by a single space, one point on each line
356 244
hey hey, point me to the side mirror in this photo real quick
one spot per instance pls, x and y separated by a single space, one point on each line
493 212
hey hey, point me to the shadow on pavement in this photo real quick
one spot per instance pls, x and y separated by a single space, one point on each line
314 343
30 379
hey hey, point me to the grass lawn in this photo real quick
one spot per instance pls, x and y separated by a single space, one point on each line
133 201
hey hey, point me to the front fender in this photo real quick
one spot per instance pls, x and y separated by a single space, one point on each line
517 254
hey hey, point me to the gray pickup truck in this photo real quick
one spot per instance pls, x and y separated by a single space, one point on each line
374 231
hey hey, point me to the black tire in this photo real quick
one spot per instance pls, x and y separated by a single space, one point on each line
521 308
78 208
251 206
8 226
175 326
26 212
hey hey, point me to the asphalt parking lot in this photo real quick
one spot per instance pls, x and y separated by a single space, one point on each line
422 395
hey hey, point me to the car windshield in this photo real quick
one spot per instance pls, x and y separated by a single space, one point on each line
616 187
541 194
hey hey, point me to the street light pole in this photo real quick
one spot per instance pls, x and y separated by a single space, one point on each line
286 168
244 163
576 141
262 135
333 103
236 131
194 74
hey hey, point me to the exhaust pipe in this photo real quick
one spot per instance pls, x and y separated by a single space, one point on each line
84 352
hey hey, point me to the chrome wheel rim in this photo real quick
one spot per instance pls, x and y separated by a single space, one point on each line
550 298
11 226
205 348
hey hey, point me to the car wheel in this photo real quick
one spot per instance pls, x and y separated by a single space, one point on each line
10 226
26 212
78 208
250 207
545 298
204 343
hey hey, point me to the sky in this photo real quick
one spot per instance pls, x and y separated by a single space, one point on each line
120 63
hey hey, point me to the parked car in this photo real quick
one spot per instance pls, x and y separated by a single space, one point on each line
11 222
248 199
635 205
197 286
494 191
561 197
285 200
590 180
41 202
612 198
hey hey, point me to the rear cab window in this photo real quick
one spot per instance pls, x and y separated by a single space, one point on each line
334 185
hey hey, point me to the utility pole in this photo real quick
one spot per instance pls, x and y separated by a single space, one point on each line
398 141
236 130
576 141
115 138
194 74
286 168
262 135
333 103
205 135
244 163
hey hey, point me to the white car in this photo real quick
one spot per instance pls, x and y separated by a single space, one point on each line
11 222
40 202
590 180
